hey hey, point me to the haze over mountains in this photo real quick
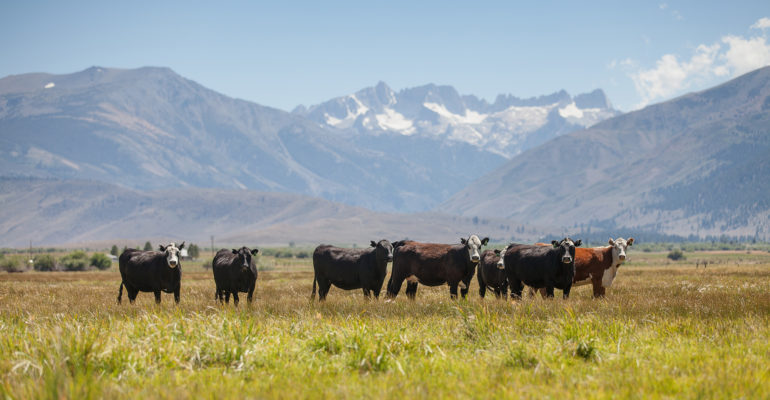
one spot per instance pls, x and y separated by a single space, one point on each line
694 165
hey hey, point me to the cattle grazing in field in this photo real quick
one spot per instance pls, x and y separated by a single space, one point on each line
235 272
491 273
435 264
546 267
599 265
150 271
351 268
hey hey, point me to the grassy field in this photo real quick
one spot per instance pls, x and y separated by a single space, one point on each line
665 330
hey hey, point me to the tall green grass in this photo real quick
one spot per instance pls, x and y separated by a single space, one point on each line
663 331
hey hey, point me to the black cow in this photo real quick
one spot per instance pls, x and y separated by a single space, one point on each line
434 264
546 267
351 268
234 272
491 273
151 271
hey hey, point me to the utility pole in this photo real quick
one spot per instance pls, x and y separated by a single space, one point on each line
212 244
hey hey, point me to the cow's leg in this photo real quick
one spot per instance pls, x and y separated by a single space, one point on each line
453 291
250 295
482 285
235 298
376 293
157 296
394 286
498 292
176 295
596 282
120 292
516 288
504 291
367 293
411 290
131 294
548 289
464 290
565 292
323 288
227 296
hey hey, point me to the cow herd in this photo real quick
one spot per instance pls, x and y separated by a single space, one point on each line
544 267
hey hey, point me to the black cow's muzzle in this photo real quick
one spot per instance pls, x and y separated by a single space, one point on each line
390 258
475 259
566 260
172 263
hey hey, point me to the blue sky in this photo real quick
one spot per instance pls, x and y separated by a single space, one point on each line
287 53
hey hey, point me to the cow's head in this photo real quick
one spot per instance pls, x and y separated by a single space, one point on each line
172 253
244 259
566 249
473 244
619 247
383 249
501 261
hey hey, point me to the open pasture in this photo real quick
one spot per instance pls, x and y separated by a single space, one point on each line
664 330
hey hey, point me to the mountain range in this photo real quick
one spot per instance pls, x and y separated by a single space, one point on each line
698 164
149 128
506 127
134 139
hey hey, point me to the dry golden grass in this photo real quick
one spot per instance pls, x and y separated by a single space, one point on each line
663 331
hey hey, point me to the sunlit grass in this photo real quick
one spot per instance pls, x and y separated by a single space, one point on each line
663 331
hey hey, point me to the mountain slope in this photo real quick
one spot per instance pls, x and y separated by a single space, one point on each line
697 164
505 127
149 128
51 212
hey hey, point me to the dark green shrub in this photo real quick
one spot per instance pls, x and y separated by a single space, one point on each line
12 264
114 250
101 261
75 261
45 262
676 255
147 246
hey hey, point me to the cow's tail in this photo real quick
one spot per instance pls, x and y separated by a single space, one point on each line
312 295
120 292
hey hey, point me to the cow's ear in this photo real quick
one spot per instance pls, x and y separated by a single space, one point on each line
162 247
235 251
181 246
254 252
554 243
371 243
630 241
579 242
611 242
497 252
484 241
463 241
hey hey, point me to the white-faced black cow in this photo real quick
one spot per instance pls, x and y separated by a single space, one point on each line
546 267
151 271
434 264
351 268
491 273
235 271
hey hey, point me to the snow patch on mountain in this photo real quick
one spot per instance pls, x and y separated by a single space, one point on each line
394 121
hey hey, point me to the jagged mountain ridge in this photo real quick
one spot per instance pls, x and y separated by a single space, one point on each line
506 127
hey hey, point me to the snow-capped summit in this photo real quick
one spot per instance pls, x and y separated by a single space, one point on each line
507 127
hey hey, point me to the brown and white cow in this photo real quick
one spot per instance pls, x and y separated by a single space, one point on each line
599 265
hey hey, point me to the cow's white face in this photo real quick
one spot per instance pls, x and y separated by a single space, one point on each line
473 244
501 261
172 254
619 247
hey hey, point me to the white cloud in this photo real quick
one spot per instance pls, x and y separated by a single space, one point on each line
663 6
762 23
745 55
735 55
